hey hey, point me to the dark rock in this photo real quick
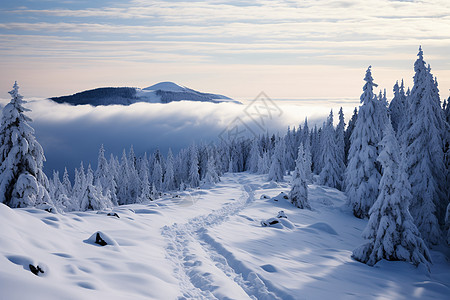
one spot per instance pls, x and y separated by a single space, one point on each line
36 270
99 240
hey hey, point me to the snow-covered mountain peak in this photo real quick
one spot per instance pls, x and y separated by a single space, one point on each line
163 92
166 86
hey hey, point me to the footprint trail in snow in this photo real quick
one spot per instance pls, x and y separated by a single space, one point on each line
204 268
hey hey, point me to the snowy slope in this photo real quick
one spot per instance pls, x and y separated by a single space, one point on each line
206 244
163 92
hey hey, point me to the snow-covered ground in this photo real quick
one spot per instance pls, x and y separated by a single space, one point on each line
206 244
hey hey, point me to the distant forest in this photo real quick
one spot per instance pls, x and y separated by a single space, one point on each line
115 95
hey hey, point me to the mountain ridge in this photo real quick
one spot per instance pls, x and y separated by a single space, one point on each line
162 92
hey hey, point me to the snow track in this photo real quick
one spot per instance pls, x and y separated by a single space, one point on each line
204 268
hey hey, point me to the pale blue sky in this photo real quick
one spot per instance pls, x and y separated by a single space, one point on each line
289 49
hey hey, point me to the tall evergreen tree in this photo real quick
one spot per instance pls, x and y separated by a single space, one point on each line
397 107
424 150
348 134
391 229
169 175
299 191
194 176
254 157
277 171
362 175
91 195
22 181
331 174
66 182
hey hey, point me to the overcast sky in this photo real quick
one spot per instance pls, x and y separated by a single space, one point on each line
289 49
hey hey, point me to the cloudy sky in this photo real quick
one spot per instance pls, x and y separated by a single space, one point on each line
312 54
289 49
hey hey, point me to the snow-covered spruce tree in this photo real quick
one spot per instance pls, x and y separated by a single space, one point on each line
66 183
123 193
308 161
263 163
91 196
194 176
104 177
424 151
211 176
348 134
397 107
254 157
362 176
331 174
391 229
290 151
157 176
59 193
22 181
299 191
276 171
169 175
340 143
146 190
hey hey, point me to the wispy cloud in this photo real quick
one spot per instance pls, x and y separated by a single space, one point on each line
351 34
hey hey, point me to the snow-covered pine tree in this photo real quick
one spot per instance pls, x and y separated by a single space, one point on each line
340 143
362 176
391 229
78 186
277 171
397 107
146 190
254 156
315 150
66 183
91 196
299 191
263 163
424 151
157 176
331 174
211 176
169 175
104 177
291 150
59 193
348 134
22 181
123 193
194 176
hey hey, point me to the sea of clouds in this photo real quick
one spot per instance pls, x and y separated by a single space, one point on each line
71 134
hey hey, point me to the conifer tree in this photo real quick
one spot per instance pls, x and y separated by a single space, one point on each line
397 107
22 181
276 171
211 176
424 152
157 176
331 174
348 134
194 176
254 157
299 191
91 196
362 175
66 183
169 175
391 229
146 190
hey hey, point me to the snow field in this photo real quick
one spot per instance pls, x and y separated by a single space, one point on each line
206 244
